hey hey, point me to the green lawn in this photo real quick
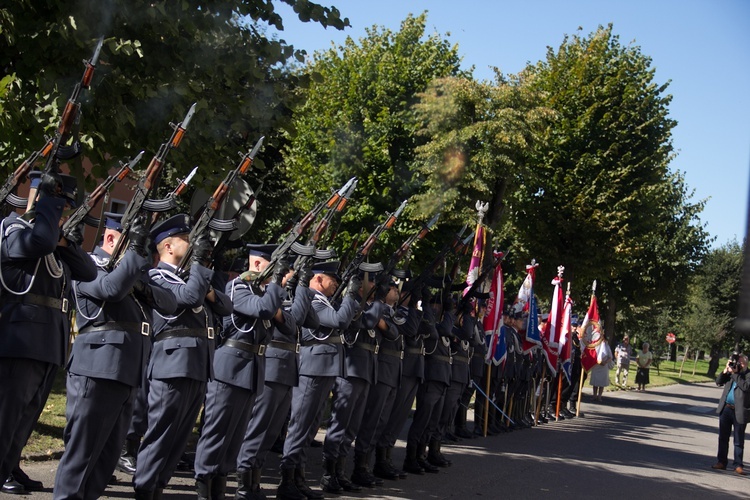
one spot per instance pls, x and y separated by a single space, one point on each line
669 373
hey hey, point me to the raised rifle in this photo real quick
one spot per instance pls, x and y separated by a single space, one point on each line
290 240
62 133
358 262
82 212
456 245
206 220
147 186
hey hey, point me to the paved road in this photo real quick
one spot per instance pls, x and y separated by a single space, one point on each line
657 444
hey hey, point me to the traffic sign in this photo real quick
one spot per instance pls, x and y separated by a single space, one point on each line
671 338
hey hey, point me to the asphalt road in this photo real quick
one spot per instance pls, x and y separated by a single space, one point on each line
657 444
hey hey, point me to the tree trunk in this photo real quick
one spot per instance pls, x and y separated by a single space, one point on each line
684 357
610 312
713 361
695 361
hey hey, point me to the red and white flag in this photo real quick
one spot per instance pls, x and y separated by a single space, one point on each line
493 318
552 329
476 258
566 337
592 336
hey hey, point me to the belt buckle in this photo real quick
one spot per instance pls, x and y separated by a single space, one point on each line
261 349
423 352
450 360
64 306
296 349
402 354
210 330
341 337
145 329
377 348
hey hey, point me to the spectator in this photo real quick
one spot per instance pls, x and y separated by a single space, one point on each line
644 360
733 410
622 356
600 372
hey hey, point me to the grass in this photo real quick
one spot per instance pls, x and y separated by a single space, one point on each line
669 373
46 440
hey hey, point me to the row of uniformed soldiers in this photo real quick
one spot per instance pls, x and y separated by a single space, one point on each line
148 339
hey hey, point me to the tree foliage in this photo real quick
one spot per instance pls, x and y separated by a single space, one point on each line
357 120
600 197
159 57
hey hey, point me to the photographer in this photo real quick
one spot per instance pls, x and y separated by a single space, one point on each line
733 410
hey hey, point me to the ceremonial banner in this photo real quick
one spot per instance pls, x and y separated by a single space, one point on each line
526 301
493 318
592 336
566 338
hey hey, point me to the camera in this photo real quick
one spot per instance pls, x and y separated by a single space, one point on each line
733 360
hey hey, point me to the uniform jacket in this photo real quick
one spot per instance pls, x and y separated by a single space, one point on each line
741 397
251 323
413 365
188 357
318 358
438 349
121 351
30 253
477 365
362 362
391 351
461 350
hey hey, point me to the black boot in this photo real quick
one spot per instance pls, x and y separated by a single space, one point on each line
361 475
329 482
435 457
383 469
203 488
461 430
219 488
411 462
400 472
126 462
288 489
341 476
143 495
299 481
158 494
422 459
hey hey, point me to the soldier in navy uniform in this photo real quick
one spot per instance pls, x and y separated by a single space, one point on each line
181 356
239 367
114 316
281 375
37 264
412 375
383 393
477 371
321 361
350 393
437 377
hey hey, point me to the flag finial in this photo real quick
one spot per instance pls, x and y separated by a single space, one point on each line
481 211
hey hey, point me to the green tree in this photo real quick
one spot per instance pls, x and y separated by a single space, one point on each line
159 57
600 197
357 120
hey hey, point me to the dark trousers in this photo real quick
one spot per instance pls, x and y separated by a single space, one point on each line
26 383
173 407
377 412
450 406
308 399
424 425
98 412
269 416
400 410
227 413
728 424
348 407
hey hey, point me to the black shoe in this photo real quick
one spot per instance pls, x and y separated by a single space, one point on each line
464 433
413 467
451 437
427 466
13 487
384 470
24 480
126 464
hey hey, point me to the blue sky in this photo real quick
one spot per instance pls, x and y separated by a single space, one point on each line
702 46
